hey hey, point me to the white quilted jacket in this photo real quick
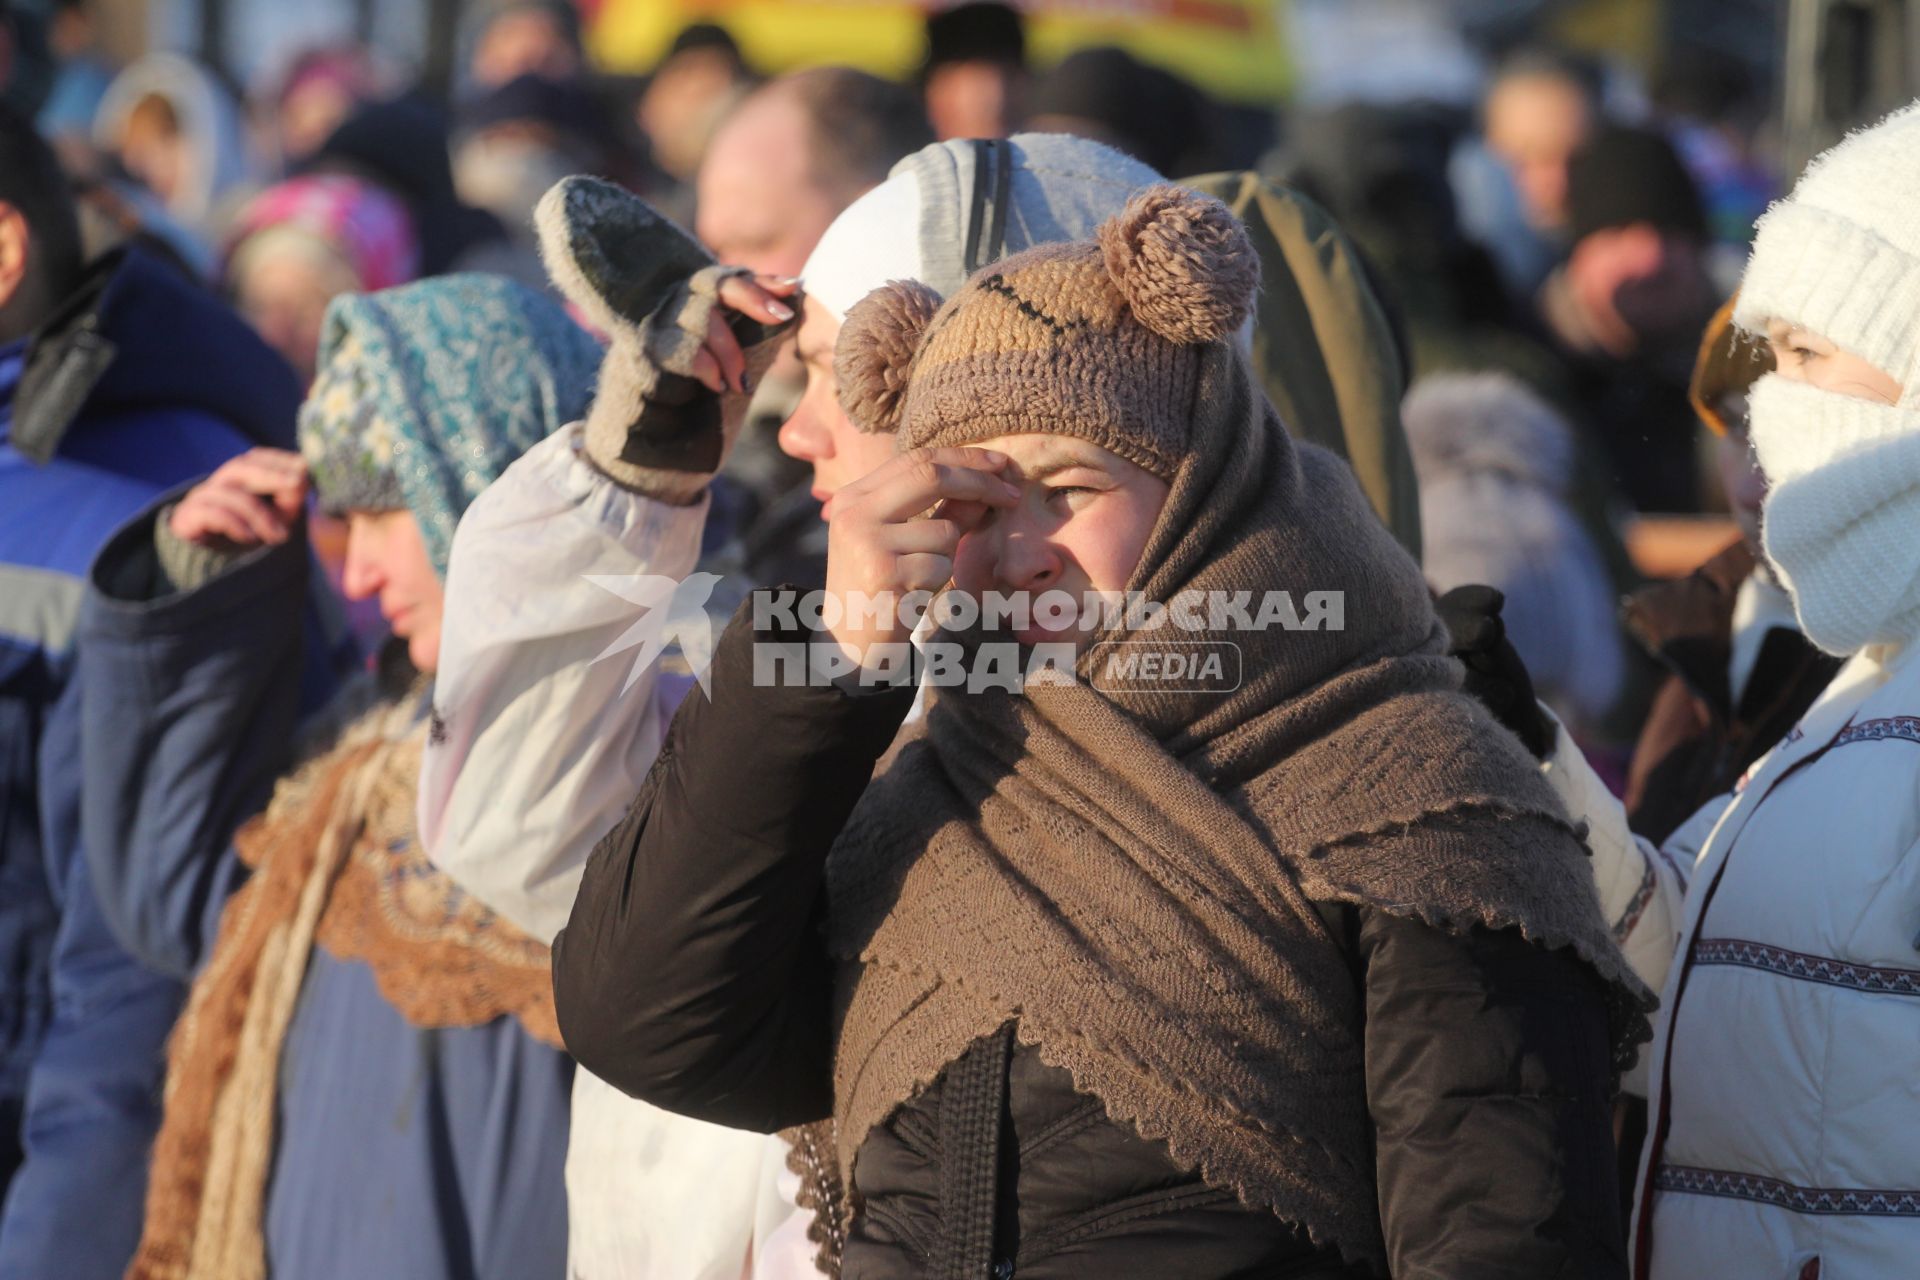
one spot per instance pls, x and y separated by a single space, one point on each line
1784 1076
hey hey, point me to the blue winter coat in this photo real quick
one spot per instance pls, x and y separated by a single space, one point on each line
433 1154
142 382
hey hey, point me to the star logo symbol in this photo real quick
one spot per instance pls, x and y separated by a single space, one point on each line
674 616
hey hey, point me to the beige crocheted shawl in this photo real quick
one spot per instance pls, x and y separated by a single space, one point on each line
334 862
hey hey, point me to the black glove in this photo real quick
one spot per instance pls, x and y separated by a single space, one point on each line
1495 674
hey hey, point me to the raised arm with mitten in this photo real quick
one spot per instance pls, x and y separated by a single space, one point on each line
687 338
547 726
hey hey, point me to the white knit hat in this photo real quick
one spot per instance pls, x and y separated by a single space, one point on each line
911 226
874 240
1841 255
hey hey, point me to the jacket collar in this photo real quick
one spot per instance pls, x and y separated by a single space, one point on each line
66 358
1688 625
136 335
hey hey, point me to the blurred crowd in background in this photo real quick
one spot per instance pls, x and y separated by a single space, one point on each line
1553 202
1561 220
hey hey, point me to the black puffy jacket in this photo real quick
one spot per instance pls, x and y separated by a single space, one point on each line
692 974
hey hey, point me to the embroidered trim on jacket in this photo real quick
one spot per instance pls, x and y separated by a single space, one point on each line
1906 728
1637 905
1685 1180
1795 964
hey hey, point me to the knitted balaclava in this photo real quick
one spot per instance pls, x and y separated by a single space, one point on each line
1841 255
1101 339
1841 522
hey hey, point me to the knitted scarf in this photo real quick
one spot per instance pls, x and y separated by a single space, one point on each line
1839 518
335 863
1130 876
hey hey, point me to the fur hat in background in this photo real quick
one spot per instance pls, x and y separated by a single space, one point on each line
1096 338
975 32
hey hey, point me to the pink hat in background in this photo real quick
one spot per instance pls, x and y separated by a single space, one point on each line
365 226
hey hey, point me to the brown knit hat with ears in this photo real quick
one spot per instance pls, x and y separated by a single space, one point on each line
1100 339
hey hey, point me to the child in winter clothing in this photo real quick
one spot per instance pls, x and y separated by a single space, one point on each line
367 1078
1781 1107
1121 981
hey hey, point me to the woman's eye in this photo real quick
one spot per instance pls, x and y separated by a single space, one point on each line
1069 491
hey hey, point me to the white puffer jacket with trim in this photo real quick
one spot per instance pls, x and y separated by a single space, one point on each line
1784 1075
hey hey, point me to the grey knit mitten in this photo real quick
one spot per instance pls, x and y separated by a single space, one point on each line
652 289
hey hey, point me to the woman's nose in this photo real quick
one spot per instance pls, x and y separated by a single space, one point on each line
358 579
360 576
1027 561
805 436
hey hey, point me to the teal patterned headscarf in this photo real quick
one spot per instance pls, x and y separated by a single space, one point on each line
427 392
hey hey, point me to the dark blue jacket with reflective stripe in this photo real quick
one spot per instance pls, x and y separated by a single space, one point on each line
142 382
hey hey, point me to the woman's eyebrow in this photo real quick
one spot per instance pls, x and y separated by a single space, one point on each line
1051 466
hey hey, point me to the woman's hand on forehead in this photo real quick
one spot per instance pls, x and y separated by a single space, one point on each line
895 531
251 500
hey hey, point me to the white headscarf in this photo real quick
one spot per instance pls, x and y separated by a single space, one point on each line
913 225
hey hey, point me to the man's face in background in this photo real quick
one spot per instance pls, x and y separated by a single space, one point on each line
758 202
1535 123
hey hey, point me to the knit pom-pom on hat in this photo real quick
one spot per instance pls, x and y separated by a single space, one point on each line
1183 262
873 359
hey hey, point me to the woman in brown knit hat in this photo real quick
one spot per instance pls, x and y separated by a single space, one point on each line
1289 966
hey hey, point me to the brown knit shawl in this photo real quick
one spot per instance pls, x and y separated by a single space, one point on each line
335 862
1131 876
